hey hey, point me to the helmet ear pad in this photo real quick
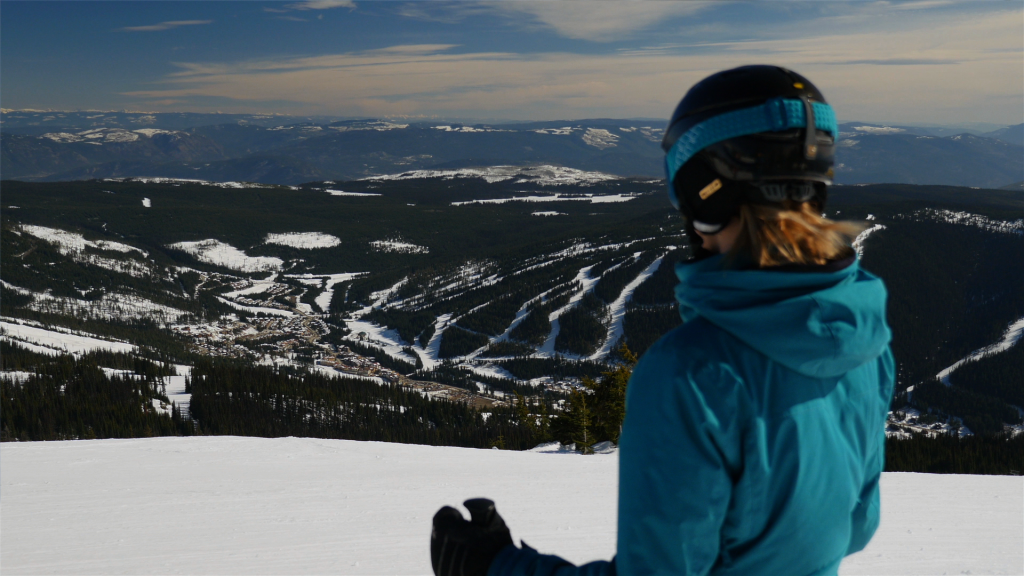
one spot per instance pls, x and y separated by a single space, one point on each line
705 197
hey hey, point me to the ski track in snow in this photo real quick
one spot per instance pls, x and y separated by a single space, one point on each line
176 389
858 242
1010 337
231 505
617 309
323 300
547 350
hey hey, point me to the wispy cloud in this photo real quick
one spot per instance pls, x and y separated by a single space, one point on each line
598 20
166 25
867 74
900 62
593 20
321 4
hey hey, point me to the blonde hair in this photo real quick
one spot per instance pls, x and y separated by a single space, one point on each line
792 233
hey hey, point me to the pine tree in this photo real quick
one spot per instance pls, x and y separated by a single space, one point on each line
523 414
609 398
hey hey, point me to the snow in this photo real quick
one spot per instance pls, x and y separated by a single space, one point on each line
257 287
617 310
593 199
544 175
466 129
53 342
150 132
488 370
179 181
176 389
586 283
564 131
343 193
398 246
599 138
222 254
146 202
329 281
1010 337
878 129
69 243
380 337
378 125
858 242
94 136
307 240
17 376
308 506
112 305
549 213
969 219
256 309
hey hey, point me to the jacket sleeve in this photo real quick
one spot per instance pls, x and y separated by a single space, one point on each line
513 561
865 516
676 447
674 488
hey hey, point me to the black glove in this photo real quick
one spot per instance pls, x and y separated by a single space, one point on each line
460 548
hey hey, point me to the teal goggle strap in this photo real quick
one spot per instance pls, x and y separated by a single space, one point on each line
775 115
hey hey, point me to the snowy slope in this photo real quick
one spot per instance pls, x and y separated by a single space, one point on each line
229 505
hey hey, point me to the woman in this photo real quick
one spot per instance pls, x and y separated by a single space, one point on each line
754 433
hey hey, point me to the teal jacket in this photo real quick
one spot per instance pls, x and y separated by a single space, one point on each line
754 432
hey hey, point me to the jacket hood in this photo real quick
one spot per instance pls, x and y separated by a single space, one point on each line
821 324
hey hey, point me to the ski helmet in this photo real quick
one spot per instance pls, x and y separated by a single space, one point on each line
743 135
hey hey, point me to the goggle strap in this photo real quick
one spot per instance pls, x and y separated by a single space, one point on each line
775 115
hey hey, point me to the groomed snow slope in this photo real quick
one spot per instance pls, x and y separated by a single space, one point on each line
229 505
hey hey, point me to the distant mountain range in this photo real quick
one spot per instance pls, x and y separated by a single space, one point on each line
59 146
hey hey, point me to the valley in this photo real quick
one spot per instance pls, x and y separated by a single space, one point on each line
454 285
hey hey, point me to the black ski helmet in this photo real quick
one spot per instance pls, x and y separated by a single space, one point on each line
741 136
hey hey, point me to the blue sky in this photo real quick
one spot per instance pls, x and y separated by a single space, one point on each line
931 62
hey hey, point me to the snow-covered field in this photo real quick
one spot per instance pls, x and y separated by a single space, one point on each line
543 175
306 240
73 242
398 246
44 341
223 254
343 193
229 505
593 199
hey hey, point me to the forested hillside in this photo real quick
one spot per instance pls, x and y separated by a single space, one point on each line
472 286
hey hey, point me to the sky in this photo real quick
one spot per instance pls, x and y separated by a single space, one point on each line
925 62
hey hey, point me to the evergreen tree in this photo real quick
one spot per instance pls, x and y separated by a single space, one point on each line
609 397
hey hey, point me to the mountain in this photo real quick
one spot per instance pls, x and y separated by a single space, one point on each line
489 280
960 160
1011 134
289 150
36 122
32 157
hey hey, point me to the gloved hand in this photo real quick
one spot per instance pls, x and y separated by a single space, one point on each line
460 548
